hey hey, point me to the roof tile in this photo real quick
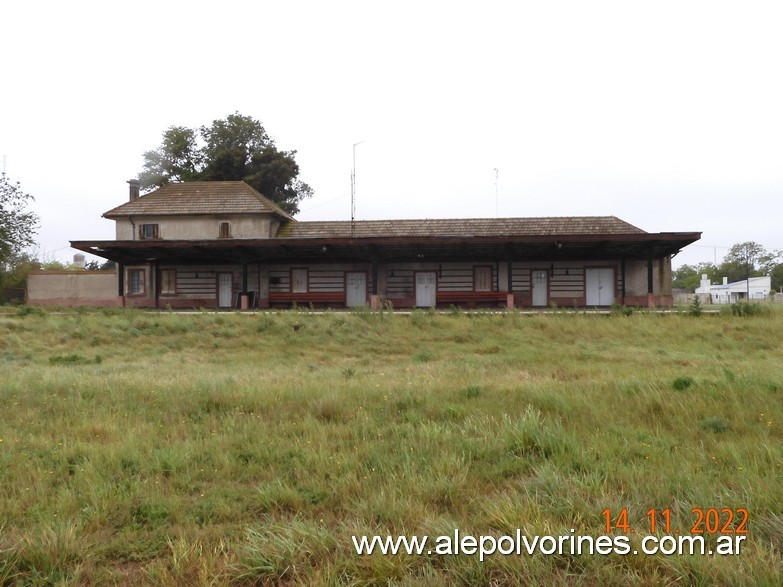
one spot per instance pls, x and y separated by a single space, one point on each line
199 197
471 227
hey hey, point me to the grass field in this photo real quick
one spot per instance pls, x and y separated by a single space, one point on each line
165 449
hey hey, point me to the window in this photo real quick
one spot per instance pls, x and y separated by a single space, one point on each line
298 280
225 230
168 282
135 281
148 231
482 278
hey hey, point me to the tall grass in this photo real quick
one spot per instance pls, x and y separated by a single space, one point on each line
142 448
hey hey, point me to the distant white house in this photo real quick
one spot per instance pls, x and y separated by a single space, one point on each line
756 288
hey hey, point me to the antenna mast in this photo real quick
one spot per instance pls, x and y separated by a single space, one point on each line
353 189
496 192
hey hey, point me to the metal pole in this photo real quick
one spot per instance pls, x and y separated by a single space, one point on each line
496 192
353 189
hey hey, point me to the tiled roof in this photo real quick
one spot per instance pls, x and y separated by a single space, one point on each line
473 227
199 197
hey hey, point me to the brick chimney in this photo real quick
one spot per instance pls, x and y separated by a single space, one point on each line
135 186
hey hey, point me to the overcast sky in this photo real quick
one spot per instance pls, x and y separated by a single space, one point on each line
666 114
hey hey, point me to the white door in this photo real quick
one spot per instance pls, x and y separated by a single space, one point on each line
599 286
224 290
425 289
355 289
540 293
298 280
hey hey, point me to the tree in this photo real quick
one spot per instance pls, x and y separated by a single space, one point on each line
177 159
688 277
17 224
17 267
98 266
776 273
748 259
236 148
741 261
685 277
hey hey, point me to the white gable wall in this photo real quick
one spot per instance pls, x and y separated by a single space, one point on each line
197 227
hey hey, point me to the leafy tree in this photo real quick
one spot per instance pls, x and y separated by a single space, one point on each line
740 262
769 261
743 260
55 265
750 259
17 268
98 266
747 252
236 148
688 277
685 277
177 159
776 273
17 224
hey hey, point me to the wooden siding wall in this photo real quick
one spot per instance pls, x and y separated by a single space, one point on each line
566 280
459 277
200 282
196 283
520 278
399 283
329 279
567 283
400 279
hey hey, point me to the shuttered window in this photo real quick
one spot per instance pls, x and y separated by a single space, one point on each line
482 278
148 231
168 281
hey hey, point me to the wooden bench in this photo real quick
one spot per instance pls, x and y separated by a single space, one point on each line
471 298
307 298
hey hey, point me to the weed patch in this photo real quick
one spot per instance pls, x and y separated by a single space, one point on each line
682 383
715 424
74 359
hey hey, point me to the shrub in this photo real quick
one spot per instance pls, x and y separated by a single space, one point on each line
74 359
471 391
424 356
745 309
29 311
714 424
695 308
620 310
682 383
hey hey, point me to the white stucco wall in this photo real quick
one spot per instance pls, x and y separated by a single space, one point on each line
195 227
